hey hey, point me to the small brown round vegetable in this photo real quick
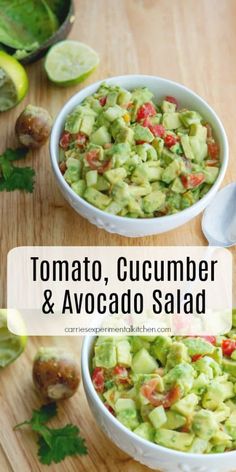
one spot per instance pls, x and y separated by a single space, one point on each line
56 374
33 126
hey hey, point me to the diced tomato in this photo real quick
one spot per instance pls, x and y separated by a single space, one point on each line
62 167
149 388
93 161
190 181
172 396
157 130
170 140
196 357
98 379
80 140
213 150
121 374
147 109
65 140
228 347
103 101
110 409
140 142
171 99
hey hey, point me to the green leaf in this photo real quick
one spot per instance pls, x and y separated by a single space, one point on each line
21 178
26 24
41 416
64 442
59 7
14 154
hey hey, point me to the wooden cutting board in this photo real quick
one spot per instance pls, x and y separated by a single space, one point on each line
187 41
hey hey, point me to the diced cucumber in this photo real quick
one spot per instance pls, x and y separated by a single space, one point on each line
158 417
143 362
115 175
101 136
91 178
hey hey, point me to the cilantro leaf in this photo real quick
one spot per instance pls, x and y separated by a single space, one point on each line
20 178
41 416
54 444
14 154
15 178
64 442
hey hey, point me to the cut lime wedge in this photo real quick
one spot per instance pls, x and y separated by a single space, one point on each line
13 81
11 346
70 62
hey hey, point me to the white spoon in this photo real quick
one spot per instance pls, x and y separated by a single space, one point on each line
219 218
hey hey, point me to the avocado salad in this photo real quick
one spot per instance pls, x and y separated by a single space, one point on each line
178 392
130 156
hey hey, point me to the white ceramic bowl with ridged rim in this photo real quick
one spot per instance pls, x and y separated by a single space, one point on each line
150 454
136 227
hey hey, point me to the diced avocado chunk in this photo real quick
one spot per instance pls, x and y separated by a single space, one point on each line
177 186
142 133
112 113
153 201
189 117
174 420
145 431
217 393
204 424
174 439
124 404
210 174
158 417
142 95
229 365
160 348
196 129
230 425
79 187
182 375
199 446
168 107
143 362
97 198
101 136
111 396
128 418
120 193
200 384
186 405
198 346
87 123
105 355
171 120
114 175
178 353
171 172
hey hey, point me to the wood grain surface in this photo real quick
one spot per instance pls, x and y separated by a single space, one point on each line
189 41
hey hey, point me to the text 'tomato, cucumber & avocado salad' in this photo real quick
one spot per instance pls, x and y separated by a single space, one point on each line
130 156
178 392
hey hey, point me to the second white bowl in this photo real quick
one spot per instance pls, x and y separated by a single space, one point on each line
135 227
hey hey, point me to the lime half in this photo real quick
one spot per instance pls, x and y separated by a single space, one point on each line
11 346
13 81
70 62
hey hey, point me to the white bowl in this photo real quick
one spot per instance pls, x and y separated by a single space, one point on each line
135 227
153 456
